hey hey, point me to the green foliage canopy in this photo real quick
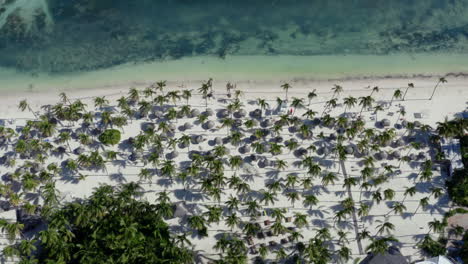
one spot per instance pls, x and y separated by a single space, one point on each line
109 227
110 137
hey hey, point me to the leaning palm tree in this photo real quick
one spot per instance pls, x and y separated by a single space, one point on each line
396 95
441 80
365 102
310 96
410 85
23 105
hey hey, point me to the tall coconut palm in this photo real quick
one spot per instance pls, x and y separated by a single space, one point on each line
100 102
349 102
441 80
297 103
263 105
174 96
310 96
365 102
375 89
396 95
205 91
410 85
23 105
286 87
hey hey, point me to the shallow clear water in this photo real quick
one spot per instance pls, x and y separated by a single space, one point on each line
86 35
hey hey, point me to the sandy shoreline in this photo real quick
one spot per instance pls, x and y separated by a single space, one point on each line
335 68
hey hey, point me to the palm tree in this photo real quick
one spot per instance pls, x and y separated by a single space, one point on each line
396 95
365 102
337 89
100 102
300 220
186 94
197 222
232 221
268 198
204 90
310 200
263 251
374 90
293 197
349 102
441 80
410 85
286 87
310 96
297 103
174 96
328 178
380 245
437 226
377 108
263 105
23 105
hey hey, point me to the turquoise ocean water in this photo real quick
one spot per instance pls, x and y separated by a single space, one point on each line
321 38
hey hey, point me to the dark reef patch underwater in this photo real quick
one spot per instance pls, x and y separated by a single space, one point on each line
83 35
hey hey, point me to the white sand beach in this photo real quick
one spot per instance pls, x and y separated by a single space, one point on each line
450 99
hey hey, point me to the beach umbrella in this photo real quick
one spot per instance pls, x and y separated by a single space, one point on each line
79 150
267 123
267 147
209 112
172 127
223 113
385 122
187 126
241 113
396 154
382 155
244 149
174 154
399 143
237 123
209 124
218 141
195 112
159 114
278 139
421 155
134 156
300 152
349 149
198 139
257 113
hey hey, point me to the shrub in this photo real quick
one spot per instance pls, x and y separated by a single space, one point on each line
110 137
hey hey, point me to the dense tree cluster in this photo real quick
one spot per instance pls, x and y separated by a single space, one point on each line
111 226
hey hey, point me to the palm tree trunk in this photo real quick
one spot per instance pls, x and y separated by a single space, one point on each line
405 93
435 88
